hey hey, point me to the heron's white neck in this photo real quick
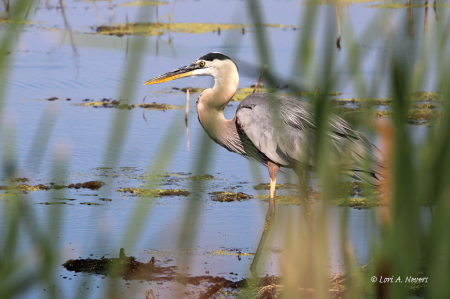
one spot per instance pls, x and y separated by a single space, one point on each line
212 101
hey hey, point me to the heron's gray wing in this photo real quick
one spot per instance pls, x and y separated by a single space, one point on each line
274 132
282 128
349 148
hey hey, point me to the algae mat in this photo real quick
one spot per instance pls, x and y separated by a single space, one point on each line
148 29
142 3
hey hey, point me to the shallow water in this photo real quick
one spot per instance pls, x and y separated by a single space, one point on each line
46 64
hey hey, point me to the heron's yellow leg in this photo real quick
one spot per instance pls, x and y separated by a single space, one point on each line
273 183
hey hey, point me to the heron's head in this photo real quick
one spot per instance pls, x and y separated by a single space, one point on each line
214 64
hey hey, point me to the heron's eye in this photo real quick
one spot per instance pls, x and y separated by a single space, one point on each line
202 63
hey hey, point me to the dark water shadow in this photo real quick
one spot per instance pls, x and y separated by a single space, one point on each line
128 268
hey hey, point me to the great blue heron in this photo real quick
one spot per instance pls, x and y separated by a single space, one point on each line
275 130
272 129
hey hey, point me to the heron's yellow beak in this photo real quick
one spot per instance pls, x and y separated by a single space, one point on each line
185 71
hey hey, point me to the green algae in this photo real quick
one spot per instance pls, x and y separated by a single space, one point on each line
353 202
4 21
227 252
263 186
205 177
93 185
338 2
26 187
143 3
90 204
22 180
225 196
402 5
106 103
191 89
418 96
357 202
154 192
283 199
244 92
423 109
151 29
159 106
423 116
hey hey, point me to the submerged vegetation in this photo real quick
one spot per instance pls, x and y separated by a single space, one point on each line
108 103
154 193
148 29
228 196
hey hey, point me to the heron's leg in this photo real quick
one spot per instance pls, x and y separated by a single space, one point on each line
273 172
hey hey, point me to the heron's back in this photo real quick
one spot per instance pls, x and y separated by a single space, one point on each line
282 129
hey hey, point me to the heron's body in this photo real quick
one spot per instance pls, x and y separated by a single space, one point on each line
275 130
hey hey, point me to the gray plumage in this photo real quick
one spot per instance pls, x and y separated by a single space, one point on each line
275 130
281 129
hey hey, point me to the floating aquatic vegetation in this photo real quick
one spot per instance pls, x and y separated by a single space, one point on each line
338 2
154 192
283 199
159 106
109 103
405 5
148 29
264 186
93 185
244 92
64 198
14 21
204 177
191 89
225 196
143 3
424 107
90 204
423 117
22 180
236 252
105 103
25 187
358 202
